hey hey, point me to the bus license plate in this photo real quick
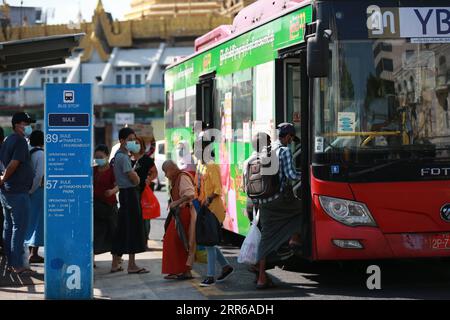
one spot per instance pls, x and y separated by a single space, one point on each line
440 242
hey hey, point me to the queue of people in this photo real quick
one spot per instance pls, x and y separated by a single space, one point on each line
133 168
119 226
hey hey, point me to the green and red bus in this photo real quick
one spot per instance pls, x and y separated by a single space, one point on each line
367 85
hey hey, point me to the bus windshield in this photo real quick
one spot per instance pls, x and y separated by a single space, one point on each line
385 94
384 99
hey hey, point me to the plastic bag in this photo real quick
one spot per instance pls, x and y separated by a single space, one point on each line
250 246
201 256
149 204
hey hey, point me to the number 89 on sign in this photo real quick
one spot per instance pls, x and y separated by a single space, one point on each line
51 138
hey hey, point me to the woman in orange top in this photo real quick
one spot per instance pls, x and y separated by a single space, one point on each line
209 193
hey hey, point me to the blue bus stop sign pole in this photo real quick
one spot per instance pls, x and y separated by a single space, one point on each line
68 191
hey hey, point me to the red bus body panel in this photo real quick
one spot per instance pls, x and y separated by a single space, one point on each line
407 216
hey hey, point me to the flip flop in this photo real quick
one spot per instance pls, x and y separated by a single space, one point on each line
171 277
25 272
119 269
140 271
183 277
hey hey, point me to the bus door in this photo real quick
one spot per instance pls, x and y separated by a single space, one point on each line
205 100
293 96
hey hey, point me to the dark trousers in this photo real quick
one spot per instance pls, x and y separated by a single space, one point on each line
2 220
147 228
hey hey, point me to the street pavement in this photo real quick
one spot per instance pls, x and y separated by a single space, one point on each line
418 279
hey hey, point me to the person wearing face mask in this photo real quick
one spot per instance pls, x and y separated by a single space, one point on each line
129 237
16 182
105 202
280 214
144 165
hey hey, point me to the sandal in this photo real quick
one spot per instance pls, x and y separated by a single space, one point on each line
171 276
116 270
25 272
183 277
139 271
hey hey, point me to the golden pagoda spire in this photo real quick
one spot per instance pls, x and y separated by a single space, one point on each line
99 6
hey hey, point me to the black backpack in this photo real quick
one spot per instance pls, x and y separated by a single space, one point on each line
262 181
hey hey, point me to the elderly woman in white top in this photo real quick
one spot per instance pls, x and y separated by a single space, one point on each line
35 231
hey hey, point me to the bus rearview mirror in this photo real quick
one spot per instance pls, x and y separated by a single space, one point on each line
317 53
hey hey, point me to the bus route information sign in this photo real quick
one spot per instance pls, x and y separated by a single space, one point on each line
68 192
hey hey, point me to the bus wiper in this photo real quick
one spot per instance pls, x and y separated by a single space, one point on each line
388 164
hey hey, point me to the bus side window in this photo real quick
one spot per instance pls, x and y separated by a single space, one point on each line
205 101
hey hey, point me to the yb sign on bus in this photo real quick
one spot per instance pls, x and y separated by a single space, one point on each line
420 24
69 193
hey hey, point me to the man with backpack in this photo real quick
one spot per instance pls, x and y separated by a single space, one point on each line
268 184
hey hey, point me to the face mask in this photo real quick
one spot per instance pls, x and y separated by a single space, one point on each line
100 162
137 147
130 146
28 130
133 147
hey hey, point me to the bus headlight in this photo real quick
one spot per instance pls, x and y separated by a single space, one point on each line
348 212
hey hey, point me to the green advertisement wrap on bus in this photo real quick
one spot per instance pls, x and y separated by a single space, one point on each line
235 61
248 50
